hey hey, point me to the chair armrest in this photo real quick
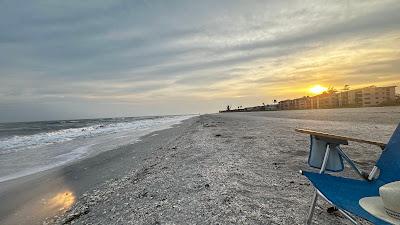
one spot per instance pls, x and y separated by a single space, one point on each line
340 138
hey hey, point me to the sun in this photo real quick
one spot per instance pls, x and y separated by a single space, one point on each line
318 89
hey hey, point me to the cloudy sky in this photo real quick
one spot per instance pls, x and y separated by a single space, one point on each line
98 58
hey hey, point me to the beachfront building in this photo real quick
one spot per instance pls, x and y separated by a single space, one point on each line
272 107
362 97
325 101
351 98
255 108
298 103
286 105
368 96
375 96
302 103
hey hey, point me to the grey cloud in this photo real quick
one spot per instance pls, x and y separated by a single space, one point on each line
383 20
204 79
86 50
52 50
385 67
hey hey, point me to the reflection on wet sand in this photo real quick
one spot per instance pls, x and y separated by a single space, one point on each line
41 206
61 201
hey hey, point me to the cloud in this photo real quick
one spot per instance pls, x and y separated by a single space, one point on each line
133 52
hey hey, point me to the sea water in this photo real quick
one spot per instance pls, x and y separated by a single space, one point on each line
31 147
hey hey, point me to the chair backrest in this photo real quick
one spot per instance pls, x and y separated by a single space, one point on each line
389 162
317 153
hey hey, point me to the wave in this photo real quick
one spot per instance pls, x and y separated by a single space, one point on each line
24 142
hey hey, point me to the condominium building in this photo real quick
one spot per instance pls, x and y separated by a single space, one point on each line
302 103
298 103
324 101
285 105
362 97
368 96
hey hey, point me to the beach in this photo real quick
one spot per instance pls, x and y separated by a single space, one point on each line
30 199
198 112
229 168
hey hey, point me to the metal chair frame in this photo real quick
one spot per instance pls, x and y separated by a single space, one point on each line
334 142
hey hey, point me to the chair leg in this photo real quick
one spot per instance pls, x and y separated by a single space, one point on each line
311 212
348 216
314 201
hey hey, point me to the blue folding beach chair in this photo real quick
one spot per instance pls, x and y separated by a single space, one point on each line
344 193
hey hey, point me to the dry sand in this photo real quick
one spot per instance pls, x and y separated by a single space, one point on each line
232 168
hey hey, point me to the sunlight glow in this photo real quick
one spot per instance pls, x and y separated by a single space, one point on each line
62 200
318 89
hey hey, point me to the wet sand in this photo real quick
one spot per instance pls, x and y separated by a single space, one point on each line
230 168
29 200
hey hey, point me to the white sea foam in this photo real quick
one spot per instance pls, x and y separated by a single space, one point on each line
25 155
18 143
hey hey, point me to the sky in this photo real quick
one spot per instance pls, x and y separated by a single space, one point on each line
99 58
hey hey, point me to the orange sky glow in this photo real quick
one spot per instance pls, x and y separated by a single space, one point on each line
228 53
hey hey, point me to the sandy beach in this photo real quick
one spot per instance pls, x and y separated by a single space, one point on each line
189 112
232 168
30 199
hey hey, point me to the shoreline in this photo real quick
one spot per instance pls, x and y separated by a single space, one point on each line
215 168
30 199
54 144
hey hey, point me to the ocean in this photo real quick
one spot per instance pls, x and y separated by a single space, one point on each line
30 147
